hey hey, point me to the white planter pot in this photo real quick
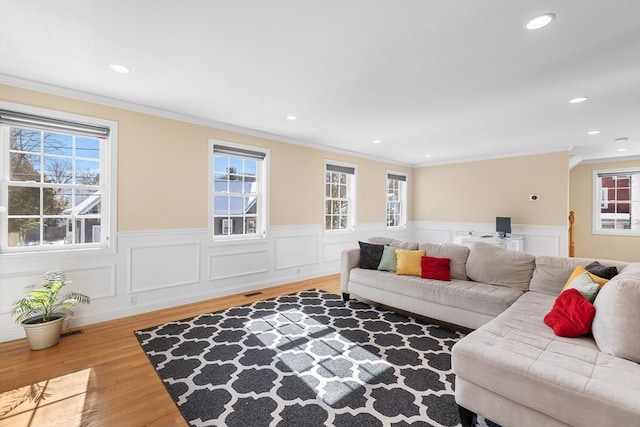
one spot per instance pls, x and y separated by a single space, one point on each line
42 335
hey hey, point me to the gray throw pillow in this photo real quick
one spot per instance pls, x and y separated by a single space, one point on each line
606 272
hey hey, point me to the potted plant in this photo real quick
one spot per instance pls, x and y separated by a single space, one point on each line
42 311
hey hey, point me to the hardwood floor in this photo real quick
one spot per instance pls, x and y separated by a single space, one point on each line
102 377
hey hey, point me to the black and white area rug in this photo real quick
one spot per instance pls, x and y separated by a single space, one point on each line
306 359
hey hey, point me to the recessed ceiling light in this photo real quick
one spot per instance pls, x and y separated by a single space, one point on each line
578 100
291 117
540 21
119 68
594 132
427 155
622 149
377 141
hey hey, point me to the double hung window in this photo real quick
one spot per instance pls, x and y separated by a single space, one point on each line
396 200
55 181
239 191
617 201
339 197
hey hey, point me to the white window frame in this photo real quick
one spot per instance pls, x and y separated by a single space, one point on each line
262 208
597 205
402 198
352 181
604 197
108 184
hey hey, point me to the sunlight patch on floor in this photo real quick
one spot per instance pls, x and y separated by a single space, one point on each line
277 332
53 402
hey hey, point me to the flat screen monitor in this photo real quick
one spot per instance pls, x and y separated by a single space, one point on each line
503 225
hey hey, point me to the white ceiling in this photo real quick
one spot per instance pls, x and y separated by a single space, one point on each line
459 80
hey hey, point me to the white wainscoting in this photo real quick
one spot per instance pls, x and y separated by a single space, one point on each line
238 264
538 239
296 251
162 268
157 269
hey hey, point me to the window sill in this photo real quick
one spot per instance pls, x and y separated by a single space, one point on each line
236 240
627 233
339 232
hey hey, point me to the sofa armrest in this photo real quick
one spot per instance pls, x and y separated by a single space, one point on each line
349 259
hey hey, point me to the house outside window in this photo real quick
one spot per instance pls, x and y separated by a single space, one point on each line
396 200
238 196
339 196
55 184
616 202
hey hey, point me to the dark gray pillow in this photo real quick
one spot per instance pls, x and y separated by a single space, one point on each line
602 270
370 255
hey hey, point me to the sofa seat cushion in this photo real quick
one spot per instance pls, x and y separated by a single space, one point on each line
519 357
472 296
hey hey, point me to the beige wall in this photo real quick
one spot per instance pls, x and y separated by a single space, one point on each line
163 169
587 244
480 191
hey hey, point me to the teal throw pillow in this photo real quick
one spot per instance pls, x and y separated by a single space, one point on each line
388 262
585 285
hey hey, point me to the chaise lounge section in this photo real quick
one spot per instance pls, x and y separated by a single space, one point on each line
515 371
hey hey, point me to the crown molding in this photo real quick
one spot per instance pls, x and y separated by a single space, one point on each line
139 108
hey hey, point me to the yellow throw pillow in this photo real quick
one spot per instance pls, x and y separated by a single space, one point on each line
581 270
409 262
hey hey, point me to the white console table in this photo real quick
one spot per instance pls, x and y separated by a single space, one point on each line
515 243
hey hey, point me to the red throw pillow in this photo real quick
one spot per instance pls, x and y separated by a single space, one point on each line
436 268
571 315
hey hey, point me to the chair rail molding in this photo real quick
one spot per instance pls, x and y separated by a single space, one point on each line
538 239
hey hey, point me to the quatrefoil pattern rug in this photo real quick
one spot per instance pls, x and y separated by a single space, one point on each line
306 359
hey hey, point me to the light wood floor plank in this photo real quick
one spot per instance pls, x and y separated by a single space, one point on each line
102 377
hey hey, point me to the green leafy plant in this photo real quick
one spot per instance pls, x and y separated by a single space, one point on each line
46 300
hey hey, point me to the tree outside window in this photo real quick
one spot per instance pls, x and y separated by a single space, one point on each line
52 189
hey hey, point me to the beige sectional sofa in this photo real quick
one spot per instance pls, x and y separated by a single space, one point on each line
513 369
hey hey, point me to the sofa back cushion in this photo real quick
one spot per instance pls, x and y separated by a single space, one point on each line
458 255
497 266
552 272
616 326
398 244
